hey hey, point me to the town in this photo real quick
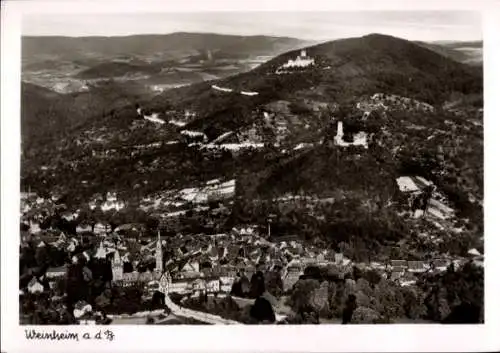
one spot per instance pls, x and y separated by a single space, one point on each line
187 266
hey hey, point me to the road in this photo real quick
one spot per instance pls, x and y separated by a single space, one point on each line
197 315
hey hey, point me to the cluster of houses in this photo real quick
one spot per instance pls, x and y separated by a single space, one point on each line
174 116
212 263
405 272
35 209
174 201
107 203
386 101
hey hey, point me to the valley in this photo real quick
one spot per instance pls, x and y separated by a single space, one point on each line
69 65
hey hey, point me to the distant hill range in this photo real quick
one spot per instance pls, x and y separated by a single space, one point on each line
464 52
154 47
344 69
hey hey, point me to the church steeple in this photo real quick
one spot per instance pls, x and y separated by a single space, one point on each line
101 252
159 255
117 267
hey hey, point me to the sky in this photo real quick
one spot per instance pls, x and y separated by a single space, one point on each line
412 25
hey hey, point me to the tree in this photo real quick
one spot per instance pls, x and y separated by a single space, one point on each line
102 302
364 315
42 255
262 311
388 300
437 305
464 313
301 293
362 285
414 305
349 307
241 287
158 300
274 283
372 276
319 300
257 285
457 295
152 223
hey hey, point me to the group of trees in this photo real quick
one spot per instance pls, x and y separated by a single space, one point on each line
456 296
366 297
224 307
260 282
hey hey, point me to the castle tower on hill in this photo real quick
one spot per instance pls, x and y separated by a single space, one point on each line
159 255
340 130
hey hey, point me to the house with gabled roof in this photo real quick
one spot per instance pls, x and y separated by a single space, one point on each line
35 286
35 227
418 266
83 228
474 253
213 285
191 269
399 263
70 216
401 269
377 266
181 285
102 228
56 272
199 285
440 265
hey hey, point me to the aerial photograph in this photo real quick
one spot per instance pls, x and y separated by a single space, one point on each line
237 168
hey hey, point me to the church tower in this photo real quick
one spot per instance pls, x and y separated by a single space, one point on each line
159 255
117 267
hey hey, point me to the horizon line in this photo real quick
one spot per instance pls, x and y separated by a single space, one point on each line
238 35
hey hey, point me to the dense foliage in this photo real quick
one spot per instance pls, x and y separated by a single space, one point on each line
451 297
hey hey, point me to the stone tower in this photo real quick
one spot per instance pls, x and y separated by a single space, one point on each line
340 130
